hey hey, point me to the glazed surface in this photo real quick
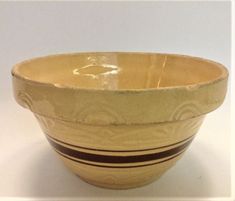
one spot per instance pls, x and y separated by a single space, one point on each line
119 70
119 138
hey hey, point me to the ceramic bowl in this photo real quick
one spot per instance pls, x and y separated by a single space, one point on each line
118 119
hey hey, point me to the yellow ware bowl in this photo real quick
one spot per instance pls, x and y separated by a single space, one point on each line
119 119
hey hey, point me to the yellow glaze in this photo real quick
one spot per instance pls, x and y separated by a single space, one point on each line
118 119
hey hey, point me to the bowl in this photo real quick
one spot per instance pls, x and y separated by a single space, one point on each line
118 119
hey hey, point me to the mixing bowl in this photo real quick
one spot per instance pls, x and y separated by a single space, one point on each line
119 119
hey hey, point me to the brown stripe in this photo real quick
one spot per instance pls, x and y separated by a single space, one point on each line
118 159
105 150
128 166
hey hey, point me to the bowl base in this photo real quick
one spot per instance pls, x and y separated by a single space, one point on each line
119 187
119 178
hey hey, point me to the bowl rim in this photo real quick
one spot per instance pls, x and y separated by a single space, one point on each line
224 73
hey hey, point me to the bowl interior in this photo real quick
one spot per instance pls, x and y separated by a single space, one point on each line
120 70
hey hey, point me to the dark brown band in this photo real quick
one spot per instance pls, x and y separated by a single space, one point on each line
118 159
105 150
126 166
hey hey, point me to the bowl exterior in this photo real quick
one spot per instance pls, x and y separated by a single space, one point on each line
119 139
103 107
119 156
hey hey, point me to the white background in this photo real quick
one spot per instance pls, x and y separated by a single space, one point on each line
29 167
